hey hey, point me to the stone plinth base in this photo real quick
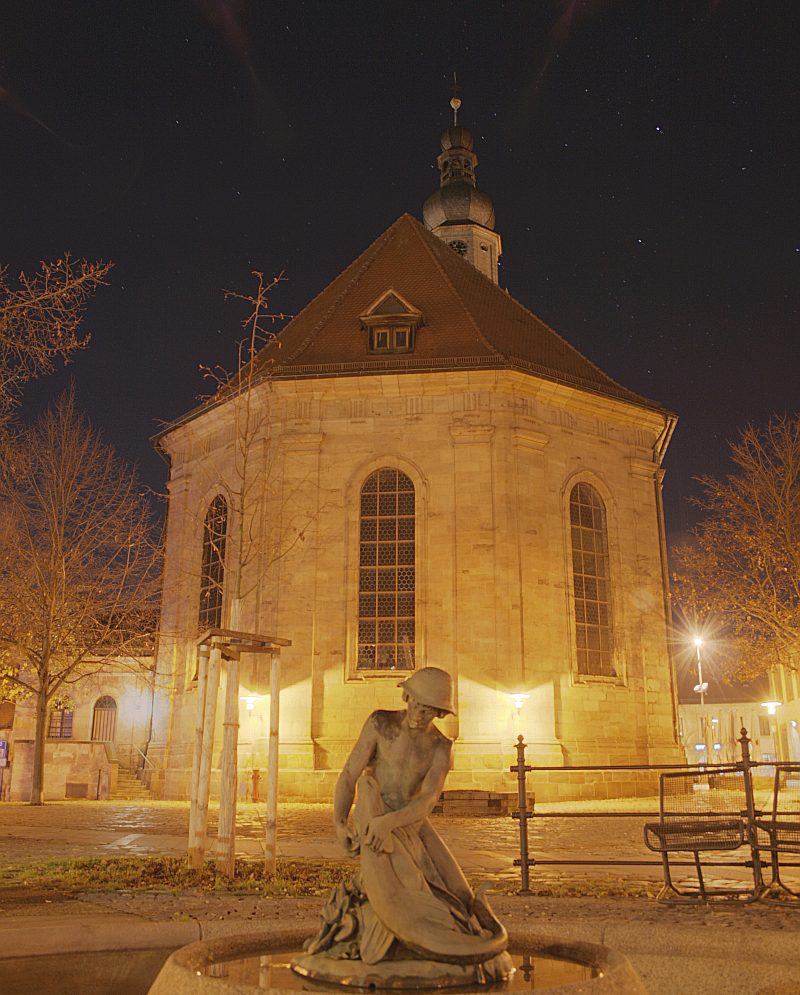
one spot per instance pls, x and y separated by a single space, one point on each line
389 975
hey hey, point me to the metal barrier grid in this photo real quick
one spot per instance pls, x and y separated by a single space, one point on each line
750 814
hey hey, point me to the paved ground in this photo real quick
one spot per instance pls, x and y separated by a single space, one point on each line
717 950
486 844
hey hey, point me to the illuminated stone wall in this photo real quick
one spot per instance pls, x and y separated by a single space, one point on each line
493 456
77 766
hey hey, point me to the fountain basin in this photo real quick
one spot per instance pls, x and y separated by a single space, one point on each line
190 970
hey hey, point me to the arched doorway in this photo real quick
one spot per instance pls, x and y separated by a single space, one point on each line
104 720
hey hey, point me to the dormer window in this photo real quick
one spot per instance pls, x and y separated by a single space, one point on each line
391 324
385 338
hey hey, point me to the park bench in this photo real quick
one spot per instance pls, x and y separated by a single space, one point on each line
700 811
779 829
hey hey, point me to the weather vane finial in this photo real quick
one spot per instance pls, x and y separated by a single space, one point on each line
455 100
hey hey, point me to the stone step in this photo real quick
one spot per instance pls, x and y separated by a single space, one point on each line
130 788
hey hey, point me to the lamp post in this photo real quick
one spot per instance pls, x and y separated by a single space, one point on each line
701 686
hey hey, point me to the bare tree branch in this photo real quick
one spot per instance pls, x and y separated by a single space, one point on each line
743 564
40 320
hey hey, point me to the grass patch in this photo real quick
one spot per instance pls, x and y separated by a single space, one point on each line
293 878
589 888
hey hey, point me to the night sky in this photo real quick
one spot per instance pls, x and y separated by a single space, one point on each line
642 156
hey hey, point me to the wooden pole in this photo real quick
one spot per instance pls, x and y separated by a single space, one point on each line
197 842
229 771
270 842
200 707
229 765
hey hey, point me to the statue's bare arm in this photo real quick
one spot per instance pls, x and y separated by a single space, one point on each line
360 757
421 805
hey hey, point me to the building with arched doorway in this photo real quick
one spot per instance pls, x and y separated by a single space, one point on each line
95 740
442 479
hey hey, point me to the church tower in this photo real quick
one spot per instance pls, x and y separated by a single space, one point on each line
459 213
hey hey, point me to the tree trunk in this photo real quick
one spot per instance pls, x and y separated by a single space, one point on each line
37 775
229 772
197 841
271 835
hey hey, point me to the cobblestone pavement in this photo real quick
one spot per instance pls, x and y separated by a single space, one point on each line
71 829
313 822
484 846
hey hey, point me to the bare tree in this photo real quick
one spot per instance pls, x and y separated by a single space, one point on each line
253 472
743 565
40 319
80 560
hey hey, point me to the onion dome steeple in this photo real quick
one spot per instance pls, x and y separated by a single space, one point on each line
458 212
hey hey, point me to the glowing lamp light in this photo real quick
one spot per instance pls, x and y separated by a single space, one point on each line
793 723
717 747
518 700
771 706
249 702
700 747
697 641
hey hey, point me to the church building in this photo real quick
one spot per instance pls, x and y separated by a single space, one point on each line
436 477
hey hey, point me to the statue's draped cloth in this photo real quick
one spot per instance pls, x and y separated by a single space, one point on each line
416 893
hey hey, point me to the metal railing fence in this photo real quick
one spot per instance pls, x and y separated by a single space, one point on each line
750 814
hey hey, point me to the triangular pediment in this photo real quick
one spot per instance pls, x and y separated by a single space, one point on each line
391 304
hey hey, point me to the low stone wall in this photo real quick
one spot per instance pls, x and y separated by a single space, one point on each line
72 769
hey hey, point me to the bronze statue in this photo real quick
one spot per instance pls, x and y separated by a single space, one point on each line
409 919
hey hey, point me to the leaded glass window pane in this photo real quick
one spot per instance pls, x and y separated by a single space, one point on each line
386 619
594 636
212 571
59 725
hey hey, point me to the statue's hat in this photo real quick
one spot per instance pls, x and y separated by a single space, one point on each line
431 686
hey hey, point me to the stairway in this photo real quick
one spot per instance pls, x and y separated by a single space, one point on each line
129 788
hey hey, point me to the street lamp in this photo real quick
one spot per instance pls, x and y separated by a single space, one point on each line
772 709
702 686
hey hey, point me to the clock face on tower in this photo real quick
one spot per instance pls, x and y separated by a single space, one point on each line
458 246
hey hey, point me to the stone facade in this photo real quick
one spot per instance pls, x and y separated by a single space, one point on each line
77 763
493 456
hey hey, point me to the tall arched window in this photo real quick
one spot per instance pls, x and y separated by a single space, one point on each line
591 582
386 585
212 571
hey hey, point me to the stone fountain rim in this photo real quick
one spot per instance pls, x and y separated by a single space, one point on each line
183 972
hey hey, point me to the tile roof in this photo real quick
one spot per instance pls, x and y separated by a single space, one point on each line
468 322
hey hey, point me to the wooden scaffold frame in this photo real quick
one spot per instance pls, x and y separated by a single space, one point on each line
213 646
